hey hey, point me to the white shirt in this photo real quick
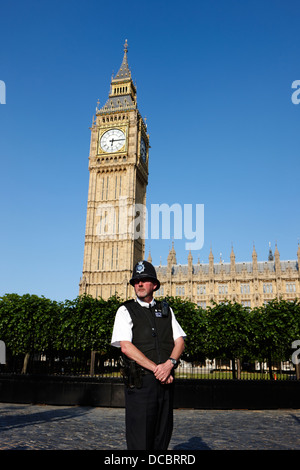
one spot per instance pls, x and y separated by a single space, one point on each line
122 330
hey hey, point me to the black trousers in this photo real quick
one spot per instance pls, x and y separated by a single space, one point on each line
149 415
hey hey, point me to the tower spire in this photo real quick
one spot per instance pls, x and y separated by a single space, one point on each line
124 71
270 257
122 94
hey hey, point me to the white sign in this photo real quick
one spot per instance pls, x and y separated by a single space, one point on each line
2 353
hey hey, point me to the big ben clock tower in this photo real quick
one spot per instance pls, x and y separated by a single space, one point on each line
118 166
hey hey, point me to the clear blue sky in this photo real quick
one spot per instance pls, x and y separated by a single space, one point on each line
214 81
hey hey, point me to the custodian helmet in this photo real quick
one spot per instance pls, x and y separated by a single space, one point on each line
142 270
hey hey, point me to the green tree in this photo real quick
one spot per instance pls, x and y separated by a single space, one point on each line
87 323
192 320
28 323
86 326
227 332
274 327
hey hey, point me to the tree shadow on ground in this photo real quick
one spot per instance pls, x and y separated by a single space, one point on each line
32 417
296 418
194 443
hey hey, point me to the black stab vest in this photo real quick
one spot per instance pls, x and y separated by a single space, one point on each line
152 332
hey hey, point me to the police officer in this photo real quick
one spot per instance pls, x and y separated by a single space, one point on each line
151 341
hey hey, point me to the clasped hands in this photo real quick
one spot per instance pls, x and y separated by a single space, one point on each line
163 372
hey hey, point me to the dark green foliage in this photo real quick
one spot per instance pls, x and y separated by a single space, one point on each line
31 324
192 320
274 327
227 331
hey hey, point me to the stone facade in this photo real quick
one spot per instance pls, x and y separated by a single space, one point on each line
249 283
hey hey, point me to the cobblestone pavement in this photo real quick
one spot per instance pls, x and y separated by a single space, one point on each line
26 427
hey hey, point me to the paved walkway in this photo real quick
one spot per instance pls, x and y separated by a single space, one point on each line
25 427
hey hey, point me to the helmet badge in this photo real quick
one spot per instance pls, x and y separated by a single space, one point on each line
140 268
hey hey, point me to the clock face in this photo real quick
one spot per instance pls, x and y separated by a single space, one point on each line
143 150
112 140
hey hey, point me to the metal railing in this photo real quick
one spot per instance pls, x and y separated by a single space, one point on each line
222 369
96 365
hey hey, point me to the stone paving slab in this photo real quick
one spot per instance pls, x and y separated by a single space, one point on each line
44 427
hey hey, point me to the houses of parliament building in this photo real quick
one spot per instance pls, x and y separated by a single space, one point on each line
118 167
